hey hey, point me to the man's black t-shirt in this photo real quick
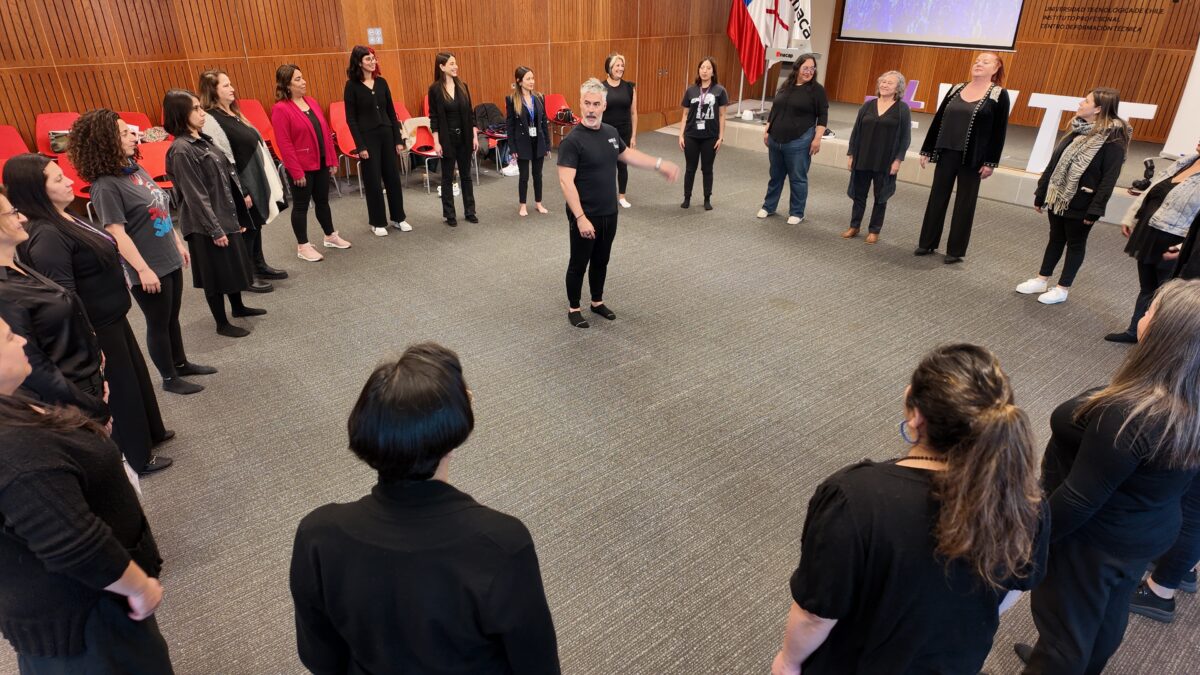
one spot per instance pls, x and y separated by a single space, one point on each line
593 154
868 561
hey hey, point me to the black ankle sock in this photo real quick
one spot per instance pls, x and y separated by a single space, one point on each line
576 319
604 311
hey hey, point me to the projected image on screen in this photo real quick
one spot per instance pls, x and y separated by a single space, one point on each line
959 23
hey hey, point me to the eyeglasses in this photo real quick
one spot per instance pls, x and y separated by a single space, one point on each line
808 69
14 213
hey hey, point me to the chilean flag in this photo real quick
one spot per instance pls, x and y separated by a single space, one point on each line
746 40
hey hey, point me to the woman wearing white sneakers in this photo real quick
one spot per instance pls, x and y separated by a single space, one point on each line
1075 187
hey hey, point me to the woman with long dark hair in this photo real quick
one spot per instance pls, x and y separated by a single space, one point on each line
452 120
528 135
1118 462
620 112
1075 187
136 213
213 211
703 128
965 140
793 135
78 561
372 119
906 564
233 134
83 259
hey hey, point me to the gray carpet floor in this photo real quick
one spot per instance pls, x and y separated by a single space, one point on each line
663 461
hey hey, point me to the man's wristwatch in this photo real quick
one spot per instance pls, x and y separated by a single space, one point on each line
658 164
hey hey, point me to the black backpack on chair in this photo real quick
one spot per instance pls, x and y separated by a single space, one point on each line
489 118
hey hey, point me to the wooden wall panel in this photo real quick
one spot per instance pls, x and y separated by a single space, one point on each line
21 36
27 92
1149 65
84 31
149 82
663 17
99 86
417 22
209 29
149 29
662 72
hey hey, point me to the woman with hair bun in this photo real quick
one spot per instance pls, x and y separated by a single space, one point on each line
620 112
907 564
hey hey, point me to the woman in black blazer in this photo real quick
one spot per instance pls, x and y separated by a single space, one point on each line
528 135
371 117
452 120
1075 187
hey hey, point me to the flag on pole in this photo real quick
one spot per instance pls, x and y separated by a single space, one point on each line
746 40
801 26
774 19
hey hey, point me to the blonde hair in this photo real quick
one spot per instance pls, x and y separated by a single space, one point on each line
611 60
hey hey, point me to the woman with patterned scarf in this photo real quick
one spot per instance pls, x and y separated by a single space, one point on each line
1075 187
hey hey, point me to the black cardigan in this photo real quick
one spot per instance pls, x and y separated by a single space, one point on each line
72 523
518 128
437 108
986 133
1095 185
369 109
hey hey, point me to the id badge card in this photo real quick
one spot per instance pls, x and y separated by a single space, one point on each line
532 132
699 125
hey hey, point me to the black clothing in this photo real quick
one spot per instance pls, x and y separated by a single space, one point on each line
1095 185
1147 244
703 108
796 109
248 146
868 561
207 186
947 172
593 154
877 141
523 166
956 125
1176 563
457 152
445 115
98 281
618 104
883 183
524 145
164 339
985 129
1069 233
418 577
137 421
219 269
589 255
1188 265
368 109
315 190
625 131
702 152
316 125
381 171
243 138
113 644
62 346
72 525
1150 277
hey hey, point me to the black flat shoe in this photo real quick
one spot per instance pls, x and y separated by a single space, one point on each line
472 218
167 435
687 203
260 286
952 259
577 320
1024 651
1122 337
178 385
190 368
707 205
230 330
248 311
922 251
604 311
157 463
452 222
268 272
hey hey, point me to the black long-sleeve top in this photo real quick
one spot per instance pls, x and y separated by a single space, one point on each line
796 109
418 577
986 129
72 523
1095 185
99 281
207 183
526 146
1104 488
368 109
439 116
878 140
60 342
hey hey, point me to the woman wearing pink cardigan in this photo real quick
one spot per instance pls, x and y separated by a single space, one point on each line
306 147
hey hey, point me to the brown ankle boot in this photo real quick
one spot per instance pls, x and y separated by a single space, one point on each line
872 238
850 233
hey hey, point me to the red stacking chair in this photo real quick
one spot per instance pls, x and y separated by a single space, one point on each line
47 122
254 111
423 147
554 103
11 144
154 161
402 113
425 105
344 141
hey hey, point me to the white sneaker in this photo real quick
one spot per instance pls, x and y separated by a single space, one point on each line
762 213
1034 285
439 190
403 226
457 190
1053 296
795 220
380 231
624 203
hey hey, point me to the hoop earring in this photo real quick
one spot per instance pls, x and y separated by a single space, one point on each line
904 433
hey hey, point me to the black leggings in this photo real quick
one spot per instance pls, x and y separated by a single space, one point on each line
316 190
523 185
700 151
590 255
137 422
1069 233
216 305
948 171
1150 277
381 172
456 151
164 340
625 131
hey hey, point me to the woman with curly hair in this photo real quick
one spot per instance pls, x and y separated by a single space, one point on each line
136 212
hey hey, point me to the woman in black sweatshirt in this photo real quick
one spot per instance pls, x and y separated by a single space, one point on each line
1118 462
371 116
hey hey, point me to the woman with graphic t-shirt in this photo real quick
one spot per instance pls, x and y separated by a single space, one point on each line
703 129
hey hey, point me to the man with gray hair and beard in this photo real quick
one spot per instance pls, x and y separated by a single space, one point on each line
587 171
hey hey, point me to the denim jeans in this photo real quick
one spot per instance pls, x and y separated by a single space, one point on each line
790 160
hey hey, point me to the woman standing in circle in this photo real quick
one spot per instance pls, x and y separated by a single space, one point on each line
621 114
528 135
703 128
244 146
965 140
371 117
878 144
1075 187
793 134
452 119
212 211
82 258
306 147
906 564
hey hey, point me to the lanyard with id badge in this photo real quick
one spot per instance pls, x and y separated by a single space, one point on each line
700 108
532 119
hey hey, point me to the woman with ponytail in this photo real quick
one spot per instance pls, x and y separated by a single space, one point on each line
1118 463
907 564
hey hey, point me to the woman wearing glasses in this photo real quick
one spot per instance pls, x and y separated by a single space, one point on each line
793 135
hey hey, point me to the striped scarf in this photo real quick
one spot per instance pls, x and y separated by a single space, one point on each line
1075 159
